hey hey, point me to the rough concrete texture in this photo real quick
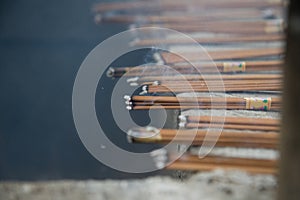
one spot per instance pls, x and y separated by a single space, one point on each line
216 185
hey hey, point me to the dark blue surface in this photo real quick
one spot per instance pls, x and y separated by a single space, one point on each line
42 44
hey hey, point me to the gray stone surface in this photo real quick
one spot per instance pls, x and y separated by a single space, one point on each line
218 185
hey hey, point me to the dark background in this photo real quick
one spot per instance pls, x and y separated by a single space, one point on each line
42 44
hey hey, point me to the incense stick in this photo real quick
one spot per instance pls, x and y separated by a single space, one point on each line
240 123
256 166
214 14
169 102
221 55
218 39
227 138
249 66
179 5
202 77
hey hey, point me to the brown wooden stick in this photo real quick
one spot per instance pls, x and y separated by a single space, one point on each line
220 55
212 15
179 5
192 162
251 66
226 138
163 79
232 126
217 39
234 120
233 29
159 99
237 88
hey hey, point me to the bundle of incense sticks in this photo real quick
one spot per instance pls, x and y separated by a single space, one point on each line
209 83
221 55
205 67
262 139
230 103
167 5
201 77
251 165
245 39
238 123
236 38
229 27
211 86
190 17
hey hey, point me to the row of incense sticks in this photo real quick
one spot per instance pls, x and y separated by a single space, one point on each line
183 5
238 67
255 166
227 138
221 55
205 67
237 123
230 103
210 83
230 27
238 38
229 86
204 16
203 77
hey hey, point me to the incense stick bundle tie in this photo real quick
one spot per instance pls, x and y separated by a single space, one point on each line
255 103
234 66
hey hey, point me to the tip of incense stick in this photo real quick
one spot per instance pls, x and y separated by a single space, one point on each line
181 125
110 72
158 58
160 158
133 84
98 18
129 107
156 83
145 89
132 26
133 42
134 79
128 102
143 93
127 97
182 118
143 132
129 139
268 14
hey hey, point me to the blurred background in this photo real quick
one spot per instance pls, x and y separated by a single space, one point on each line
42 45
